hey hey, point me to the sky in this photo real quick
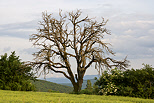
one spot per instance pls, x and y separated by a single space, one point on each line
131 23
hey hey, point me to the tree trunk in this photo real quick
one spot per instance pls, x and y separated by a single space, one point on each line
80 81
77 86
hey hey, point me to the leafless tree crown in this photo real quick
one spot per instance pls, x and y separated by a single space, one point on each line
70 36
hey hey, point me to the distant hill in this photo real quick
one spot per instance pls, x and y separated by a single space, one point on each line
65 80
44 86
57 80
83 85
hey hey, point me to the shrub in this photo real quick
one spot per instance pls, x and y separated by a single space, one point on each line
14 74
134 83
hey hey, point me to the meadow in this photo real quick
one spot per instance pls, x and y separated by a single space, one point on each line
48 97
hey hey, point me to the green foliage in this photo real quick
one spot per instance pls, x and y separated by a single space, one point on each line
49 90
88 89
45 97
52 91
14 74
141 82
135 83
105 85
46 86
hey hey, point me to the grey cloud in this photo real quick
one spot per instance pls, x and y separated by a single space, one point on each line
133 47
131 32
22 30
26 25
146 41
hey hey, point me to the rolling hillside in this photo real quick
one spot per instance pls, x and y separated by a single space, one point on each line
45 86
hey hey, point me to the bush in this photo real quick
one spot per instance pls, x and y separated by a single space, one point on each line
105 85
14 74
86 91
134 83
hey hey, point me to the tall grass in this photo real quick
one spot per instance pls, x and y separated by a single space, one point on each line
46 97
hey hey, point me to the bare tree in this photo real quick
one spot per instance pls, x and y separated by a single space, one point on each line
71 37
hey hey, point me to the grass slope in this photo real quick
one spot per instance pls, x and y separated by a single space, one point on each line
44 86
46 97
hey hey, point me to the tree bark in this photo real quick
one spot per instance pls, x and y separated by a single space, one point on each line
78 85
80 81
75 86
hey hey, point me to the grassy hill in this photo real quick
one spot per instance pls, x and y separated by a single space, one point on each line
46 97
45 86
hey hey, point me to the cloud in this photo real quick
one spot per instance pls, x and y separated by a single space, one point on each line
136 47
141 24
22 30
146 41
129 31
9 44
29 51
6 49
151 31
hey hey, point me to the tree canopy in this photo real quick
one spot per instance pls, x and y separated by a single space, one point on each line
14 74
70 36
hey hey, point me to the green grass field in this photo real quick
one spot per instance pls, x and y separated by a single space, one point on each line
46 97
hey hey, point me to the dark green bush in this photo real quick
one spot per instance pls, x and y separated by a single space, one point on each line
134 83
14 74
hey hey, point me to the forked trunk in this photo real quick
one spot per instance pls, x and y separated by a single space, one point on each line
77 86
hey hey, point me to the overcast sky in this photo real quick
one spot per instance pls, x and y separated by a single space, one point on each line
131 23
